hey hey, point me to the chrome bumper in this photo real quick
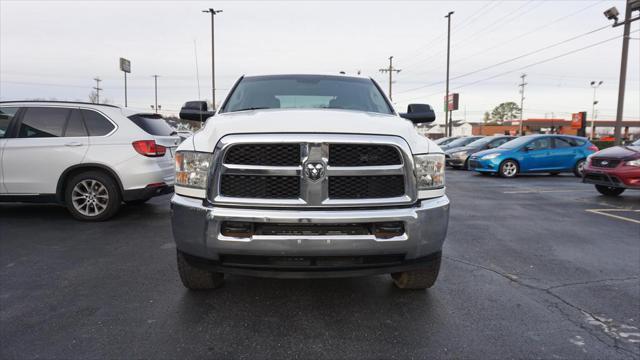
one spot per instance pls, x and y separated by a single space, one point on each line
196 230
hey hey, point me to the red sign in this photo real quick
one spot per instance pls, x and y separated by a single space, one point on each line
578 120
451 102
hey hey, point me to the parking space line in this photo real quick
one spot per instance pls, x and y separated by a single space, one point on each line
533 191
605 213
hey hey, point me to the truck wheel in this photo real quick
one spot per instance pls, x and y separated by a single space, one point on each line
92 196
194 278
609 190
509 169
418 279
578 169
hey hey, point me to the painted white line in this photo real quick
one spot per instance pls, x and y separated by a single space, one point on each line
605 213
542 191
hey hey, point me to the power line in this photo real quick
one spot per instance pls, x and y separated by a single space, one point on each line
530 65
501 44
513 59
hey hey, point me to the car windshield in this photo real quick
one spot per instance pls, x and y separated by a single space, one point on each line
462 141
481 142
306 92
515 143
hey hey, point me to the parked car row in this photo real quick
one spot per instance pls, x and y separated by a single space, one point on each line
611 170
89 157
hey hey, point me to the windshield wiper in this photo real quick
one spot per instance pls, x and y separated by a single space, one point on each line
252 108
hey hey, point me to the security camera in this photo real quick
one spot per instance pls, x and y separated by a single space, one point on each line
612 14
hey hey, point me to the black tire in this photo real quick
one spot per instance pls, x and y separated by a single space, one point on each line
137 201
107 185
554 173
455 167
578 168
506 169
194 278
609 190
418 279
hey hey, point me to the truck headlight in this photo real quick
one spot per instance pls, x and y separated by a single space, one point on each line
490 156
192 169
429 171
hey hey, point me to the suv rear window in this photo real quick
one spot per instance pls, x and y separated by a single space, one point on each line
153 124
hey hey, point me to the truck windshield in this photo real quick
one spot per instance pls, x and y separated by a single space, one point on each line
306 92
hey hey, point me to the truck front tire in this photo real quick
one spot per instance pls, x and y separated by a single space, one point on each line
194 278
418 279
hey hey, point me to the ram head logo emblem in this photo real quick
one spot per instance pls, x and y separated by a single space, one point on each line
314 171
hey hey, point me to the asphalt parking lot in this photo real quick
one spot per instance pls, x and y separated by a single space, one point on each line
534 267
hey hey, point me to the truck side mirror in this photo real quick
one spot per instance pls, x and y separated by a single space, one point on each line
419 113
195 110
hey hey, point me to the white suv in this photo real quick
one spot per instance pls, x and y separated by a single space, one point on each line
89 157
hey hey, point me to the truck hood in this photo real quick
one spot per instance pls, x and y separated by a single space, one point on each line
330 121
619 152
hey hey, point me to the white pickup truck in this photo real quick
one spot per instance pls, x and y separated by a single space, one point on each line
305 176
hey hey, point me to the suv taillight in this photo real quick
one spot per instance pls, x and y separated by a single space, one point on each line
149 148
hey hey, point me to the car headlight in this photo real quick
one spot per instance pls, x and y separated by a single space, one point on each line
459 154
635 162
429 171
490 156
192 169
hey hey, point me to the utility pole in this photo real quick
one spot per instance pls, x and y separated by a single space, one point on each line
97 88
213 65
447 121
595 86
522 85
613 14
390 70
155 85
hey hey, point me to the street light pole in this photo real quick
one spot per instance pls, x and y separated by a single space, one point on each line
155 83
595 86
447 121
213 66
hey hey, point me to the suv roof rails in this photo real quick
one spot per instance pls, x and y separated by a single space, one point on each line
57 102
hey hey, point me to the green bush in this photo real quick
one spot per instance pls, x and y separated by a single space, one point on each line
603 144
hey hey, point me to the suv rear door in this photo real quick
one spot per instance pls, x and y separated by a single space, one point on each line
47 140
7 114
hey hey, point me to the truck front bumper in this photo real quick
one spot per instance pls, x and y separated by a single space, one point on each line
197 233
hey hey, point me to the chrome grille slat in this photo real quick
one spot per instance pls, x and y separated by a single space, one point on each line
316 148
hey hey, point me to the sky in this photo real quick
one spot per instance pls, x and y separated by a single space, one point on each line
54 50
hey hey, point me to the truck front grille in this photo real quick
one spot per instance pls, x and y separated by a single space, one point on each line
264 154
363 155
315 170
264 187
364 187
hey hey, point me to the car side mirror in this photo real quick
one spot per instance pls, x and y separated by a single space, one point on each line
526 148
419 113
196 111
490 146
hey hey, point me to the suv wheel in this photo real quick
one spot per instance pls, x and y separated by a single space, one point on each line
194 278
509 169
418 279
578 169
609 190
92 196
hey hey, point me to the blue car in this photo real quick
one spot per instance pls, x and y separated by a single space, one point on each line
534 153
